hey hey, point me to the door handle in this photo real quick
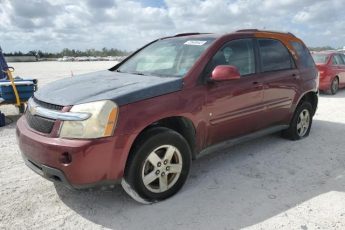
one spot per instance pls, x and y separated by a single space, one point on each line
257 84
296 76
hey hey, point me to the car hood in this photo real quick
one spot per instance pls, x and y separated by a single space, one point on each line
123 88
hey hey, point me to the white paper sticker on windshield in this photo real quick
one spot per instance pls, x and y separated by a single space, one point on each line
195 43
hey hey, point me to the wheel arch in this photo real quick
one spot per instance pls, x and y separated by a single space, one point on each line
332 77
179 124
311 97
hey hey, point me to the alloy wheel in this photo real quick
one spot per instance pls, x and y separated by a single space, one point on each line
335 85
162 168
303 122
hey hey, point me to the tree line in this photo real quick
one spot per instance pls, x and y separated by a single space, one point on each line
71 53
100 53
323 48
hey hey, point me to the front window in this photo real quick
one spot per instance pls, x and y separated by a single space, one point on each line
238 53
171 57
338 60
320 58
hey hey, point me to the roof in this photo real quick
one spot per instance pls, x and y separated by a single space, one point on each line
265 31
244 31
285 37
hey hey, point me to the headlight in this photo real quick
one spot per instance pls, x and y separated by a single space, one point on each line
101 123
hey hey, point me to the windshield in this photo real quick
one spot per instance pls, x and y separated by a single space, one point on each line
320 58
171 57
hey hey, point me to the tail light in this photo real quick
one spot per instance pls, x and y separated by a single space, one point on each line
322 70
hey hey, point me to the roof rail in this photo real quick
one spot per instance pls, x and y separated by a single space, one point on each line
268 31
291 34
187 34
248 30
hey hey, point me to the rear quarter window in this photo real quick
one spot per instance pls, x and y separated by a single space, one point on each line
274 55
306 60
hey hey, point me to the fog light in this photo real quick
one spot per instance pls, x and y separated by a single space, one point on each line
66 158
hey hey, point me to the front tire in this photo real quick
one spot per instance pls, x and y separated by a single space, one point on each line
301 122
158 165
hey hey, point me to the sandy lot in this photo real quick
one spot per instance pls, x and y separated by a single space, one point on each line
268 183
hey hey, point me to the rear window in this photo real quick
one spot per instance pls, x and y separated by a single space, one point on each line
320 58
274 55
303 53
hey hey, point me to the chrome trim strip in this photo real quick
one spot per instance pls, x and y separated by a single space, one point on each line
35 109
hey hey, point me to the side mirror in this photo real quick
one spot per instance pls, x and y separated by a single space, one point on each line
225 73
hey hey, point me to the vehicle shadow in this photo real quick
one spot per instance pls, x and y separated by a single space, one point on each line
232 188
339 94
11 121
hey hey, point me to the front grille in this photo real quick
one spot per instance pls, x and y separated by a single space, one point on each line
47 105
40 124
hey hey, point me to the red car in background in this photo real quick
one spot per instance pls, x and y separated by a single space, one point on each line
331 66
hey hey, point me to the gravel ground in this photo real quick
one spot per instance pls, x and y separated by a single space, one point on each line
268 183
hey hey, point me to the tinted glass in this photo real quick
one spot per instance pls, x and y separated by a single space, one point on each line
320 58
171 57
334 61
338 59
343 57
274 55
239 53
303 53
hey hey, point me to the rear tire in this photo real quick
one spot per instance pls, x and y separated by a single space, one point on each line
334 86
301 122
158 165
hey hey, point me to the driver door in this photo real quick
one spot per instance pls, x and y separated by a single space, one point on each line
234 106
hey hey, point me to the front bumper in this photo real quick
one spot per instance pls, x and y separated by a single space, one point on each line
93 162
47 172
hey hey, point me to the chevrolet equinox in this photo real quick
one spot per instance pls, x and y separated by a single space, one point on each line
142 122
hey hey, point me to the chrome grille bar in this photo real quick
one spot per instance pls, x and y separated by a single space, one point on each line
35 109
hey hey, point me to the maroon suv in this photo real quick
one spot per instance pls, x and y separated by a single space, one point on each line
143 121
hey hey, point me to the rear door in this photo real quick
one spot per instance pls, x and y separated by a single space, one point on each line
234 107
281 81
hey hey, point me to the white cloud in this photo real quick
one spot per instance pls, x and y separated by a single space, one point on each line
55 24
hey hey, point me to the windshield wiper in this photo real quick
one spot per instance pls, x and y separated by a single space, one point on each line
138 73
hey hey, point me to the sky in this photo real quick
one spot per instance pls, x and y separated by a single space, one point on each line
51 25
